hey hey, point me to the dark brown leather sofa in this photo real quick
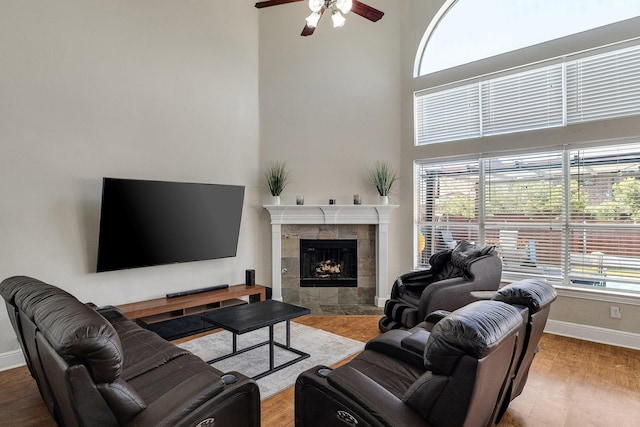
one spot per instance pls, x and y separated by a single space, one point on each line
458 380
95 367
447 285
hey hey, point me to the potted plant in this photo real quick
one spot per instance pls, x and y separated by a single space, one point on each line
277 177
383 176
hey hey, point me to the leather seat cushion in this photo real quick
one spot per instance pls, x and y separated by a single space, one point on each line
155 383
391 373
143 350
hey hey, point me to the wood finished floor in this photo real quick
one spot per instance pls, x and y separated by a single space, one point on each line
572 383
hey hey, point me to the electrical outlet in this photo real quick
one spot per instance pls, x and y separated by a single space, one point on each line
615 312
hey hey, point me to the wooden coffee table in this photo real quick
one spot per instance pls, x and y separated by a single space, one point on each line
249 317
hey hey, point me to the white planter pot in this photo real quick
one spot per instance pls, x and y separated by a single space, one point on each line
275 200
384 200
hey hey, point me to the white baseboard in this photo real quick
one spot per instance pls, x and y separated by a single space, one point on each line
594 333
11 359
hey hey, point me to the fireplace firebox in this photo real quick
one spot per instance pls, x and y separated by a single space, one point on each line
328 263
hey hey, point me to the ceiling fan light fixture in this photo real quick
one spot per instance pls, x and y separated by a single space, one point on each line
338 19
312 20
316 5
344 6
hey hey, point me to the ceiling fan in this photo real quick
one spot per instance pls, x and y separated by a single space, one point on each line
337 8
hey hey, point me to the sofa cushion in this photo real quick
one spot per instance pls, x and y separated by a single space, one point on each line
389 372
155 383
143 350
122 399
423 393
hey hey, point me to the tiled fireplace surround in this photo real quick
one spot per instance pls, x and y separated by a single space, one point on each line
368 224
364 293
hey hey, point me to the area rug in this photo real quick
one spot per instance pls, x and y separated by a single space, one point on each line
324 348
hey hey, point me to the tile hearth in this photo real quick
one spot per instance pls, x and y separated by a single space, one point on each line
348 309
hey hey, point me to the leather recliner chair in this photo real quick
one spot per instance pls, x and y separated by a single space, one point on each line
531 297
447 285
462 373
95 367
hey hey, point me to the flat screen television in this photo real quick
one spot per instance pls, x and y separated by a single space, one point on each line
146 223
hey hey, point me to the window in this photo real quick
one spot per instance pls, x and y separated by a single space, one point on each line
470 30
596 87
571 215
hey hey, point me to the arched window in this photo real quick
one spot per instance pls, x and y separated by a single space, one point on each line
469 30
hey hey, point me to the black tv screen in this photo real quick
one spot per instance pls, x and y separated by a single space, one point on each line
146 223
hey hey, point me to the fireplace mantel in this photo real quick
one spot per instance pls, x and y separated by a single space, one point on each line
332 214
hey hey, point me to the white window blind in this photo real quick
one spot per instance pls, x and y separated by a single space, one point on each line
448 203
523 101
524 213
447 115
570 215
604 86
596 87
604 229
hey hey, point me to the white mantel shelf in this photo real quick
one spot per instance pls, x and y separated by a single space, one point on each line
333 214
330 214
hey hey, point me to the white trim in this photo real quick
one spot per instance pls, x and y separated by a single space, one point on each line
594 333
11 359
333 214
622 297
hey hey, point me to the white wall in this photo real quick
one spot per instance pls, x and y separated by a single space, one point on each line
150 89
330 105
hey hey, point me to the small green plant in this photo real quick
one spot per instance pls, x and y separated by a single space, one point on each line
383 176
277 177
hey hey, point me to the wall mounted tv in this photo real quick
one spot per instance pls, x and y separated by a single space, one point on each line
146 223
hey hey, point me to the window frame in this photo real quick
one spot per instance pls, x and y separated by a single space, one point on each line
564 225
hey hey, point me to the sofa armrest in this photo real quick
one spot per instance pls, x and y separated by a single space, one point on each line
199 398
391 344
373 398
447 294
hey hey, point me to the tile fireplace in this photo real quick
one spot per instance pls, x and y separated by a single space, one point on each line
367 225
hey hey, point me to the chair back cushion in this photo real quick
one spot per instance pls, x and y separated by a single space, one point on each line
458 260
75 331
534 294
473 330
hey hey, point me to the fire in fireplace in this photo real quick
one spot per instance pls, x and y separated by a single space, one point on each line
328 263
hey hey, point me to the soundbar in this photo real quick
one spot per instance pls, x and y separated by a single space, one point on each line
196 291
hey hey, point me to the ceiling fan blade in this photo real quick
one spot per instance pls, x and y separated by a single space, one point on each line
366 11
268 3
307 30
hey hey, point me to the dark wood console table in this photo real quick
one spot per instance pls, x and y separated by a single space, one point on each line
163 309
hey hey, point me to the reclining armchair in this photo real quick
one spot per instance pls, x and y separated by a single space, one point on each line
531 297
446 285
456 381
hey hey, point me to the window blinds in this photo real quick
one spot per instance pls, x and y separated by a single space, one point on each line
596 87
604 86
448 203
570 215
